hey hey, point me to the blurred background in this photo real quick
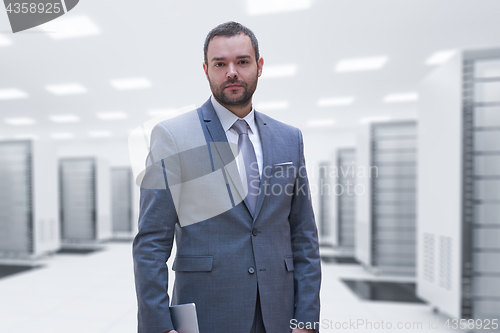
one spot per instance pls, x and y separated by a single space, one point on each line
399 106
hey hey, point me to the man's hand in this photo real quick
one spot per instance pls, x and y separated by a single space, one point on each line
172 331
302 330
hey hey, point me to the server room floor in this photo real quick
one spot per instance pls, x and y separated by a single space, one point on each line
78 292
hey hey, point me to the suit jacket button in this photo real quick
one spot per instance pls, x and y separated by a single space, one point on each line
251 270
255 232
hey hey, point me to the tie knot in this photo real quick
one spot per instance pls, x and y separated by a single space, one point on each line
241 126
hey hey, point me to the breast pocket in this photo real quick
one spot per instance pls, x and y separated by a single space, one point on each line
282 182
284 173
193 264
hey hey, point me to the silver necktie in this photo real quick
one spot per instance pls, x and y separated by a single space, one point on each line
250 160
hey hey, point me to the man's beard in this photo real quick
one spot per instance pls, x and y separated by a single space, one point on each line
239 100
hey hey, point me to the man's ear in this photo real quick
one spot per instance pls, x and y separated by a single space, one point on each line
205 69
260 64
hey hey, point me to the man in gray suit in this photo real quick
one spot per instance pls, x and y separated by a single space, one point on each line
230 183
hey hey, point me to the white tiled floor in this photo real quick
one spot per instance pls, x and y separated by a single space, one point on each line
95 293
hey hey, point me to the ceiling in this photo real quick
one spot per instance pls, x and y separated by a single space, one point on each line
163 42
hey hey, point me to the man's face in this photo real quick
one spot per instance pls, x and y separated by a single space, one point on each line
232 70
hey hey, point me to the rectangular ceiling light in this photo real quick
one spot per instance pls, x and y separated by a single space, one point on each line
112 115
366 120
62 136
131 83
403 97
64 118
100 134
66 89
321 122
277 105
4 41
12 93
272 72
21 121
70 27
335 101
263 7
361 64
440 57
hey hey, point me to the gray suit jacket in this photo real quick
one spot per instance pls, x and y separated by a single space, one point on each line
224 254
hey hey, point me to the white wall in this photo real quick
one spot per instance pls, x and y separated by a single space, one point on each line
113 150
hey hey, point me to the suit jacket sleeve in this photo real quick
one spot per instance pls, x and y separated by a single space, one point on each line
153 243
306 259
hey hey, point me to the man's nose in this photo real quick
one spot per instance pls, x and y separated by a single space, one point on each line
231 71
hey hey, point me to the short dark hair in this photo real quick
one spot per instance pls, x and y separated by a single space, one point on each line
230 29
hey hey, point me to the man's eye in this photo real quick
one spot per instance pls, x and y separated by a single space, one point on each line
243 62
218 64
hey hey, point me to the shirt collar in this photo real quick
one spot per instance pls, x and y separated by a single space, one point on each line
227 118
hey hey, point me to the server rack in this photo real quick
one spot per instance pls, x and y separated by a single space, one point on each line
28 200
345 197
459 240
85 201
386 208
122 198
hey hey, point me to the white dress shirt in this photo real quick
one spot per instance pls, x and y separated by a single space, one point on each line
227 119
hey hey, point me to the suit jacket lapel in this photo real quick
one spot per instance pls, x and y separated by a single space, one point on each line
267 152
219 139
